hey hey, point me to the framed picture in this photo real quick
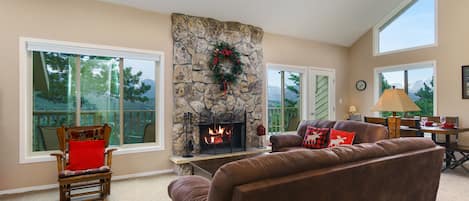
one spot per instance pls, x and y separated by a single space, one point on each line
465 82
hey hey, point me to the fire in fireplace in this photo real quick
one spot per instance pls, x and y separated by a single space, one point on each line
222 135
216 135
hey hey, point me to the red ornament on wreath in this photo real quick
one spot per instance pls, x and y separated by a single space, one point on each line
224 52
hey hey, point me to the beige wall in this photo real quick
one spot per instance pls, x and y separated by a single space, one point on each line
89 22
107 24
451 53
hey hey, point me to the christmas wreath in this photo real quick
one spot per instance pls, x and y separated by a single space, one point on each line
224 52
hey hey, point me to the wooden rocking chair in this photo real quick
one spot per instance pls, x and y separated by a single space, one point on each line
96 178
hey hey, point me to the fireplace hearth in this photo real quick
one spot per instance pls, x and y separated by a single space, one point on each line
224 133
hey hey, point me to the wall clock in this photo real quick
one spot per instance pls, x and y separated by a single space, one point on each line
360 85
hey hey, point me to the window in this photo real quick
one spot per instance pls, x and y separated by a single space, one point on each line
412 25
296 93
417 80
78 85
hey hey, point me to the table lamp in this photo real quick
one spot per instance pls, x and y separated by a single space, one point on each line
352 109
394 100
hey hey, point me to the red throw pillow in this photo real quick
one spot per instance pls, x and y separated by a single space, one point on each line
315 137
85 154
338 137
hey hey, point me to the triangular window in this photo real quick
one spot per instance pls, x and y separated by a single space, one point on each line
411 27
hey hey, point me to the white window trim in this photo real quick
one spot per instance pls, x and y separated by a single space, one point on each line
305 70
401 67
393 14
25 83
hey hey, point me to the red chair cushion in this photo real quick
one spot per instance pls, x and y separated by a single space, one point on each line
315 138
86 154
338 137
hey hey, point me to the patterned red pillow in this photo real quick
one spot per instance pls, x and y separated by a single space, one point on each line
315 137
338 137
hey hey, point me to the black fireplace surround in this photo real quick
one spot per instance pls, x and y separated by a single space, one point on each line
232 140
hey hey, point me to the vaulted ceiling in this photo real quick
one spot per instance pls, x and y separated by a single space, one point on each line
339 22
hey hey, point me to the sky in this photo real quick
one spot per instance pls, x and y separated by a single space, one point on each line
274 78
146 67
397 77
415 27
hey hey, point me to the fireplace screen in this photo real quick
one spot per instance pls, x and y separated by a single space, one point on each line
222 135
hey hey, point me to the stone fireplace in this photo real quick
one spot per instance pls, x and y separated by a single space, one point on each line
196 92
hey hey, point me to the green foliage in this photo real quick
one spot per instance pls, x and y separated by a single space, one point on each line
133 87
98 75
293 88
63 66
384 84
223 51
425 102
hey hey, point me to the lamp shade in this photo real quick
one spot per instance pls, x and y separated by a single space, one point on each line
395 100
352 109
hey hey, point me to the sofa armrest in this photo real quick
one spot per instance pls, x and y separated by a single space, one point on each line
287 140
194 188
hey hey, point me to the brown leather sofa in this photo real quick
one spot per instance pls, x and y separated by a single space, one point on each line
364 132
405 169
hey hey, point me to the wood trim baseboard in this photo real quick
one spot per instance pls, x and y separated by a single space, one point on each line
52 186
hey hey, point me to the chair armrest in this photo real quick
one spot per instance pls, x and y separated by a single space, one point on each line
60 160
194 188
287 140
58 155
108 152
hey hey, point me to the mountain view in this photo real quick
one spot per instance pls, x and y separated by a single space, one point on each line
274 95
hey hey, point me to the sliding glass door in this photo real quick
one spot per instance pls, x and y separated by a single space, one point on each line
297 93
284 100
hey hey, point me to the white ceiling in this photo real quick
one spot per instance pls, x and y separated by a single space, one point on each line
339 22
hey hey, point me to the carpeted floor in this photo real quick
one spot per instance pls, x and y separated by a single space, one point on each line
453 187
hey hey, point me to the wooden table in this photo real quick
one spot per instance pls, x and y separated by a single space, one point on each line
434 130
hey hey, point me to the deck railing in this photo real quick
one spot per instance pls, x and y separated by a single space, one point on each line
45 122
290 118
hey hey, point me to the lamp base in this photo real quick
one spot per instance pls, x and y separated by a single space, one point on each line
394 126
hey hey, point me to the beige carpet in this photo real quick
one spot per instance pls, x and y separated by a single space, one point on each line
453 187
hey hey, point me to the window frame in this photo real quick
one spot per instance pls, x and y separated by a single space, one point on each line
403 67
26 155
305 97
400 9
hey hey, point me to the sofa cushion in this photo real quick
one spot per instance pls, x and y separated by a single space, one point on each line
283 149
301 131
338 137
284 141
364 132
71 173
315 138
193 188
